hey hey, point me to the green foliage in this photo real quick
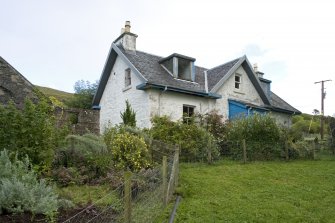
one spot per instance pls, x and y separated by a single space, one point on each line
213 123
129 151
84 93
21 191
261 134
129 115
31 132
82 160
194 140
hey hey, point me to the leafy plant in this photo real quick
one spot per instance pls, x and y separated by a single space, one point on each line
129 115
129 150
262 136
83 96
196 143
21 191
31 131
81 160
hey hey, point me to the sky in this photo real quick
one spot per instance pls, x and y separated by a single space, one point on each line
55 43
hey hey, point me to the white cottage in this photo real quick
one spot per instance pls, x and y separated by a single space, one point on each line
174 85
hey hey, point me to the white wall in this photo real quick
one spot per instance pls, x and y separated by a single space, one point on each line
115 94
282 119
171 104
246 93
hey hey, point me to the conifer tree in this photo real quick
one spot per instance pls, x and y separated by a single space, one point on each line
129 115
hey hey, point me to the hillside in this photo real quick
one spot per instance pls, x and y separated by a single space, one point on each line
59 95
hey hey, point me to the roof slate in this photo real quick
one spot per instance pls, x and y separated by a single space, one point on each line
148 65
277 102
215 74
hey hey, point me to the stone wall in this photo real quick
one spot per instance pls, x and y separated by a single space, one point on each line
81 120
14 86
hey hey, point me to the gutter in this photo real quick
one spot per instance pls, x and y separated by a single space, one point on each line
145 86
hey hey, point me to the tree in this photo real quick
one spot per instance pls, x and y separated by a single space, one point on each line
129 115
84 93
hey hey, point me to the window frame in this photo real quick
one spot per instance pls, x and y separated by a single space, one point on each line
189 114
237 83
127 77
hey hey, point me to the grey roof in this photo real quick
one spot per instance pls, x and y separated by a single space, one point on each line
215 74
279 104
148 67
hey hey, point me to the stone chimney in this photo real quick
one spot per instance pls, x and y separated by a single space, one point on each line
257 72
127 39
265 84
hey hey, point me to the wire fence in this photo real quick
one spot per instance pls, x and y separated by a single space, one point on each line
255 150
142 196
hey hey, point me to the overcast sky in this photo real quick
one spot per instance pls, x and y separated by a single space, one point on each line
55 43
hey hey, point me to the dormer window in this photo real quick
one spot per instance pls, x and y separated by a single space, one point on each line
181 67
237 81
127 78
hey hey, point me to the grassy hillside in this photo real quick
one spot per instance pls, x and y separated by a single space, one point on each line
61 96
299 191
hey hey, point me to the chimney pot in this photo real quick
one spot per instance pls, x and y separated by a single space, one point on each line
127 27
255 67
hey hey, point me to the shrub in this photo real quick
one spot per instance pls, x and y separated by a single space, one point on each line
129 115
213 123
128 151
195 141
31 132
81 160
21 191
262 137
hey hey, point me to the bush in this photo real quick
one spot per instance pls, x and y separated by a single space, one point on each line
213 123
262 136
129 151
20 190
31 132
195 141
81 160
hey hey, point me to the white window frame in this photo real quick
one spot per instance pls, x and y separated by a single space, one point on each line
237 83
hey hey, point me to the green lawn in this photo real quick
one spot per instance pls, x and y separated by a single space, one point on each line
299 191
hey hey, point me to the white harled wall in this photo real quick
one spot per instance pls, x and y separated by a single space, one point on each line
171 104
246 93
113 100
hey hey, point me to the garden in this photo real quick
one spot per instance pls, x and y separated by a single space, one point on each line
129 174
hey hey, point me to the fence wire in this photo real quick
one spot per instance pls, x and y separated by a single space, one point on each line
147 192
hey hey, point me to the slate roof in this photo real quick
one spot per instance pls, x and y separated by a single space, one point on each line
278 103
14 86
148 65
215 74
153 73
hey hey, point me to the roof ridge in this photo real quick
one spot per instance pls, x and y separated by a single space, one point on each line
225 63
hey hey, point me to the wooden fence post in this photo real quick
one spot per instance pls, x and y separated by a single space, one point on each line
164 175
314 148
286 150
127 196
176 154
209 152
244 151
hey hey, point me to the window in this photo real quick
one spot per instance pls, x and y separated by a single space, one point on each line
188 112
127 77
237 81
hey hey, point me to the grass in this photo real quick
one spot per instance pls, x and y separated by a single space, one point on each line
299 191
59 95
83 195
